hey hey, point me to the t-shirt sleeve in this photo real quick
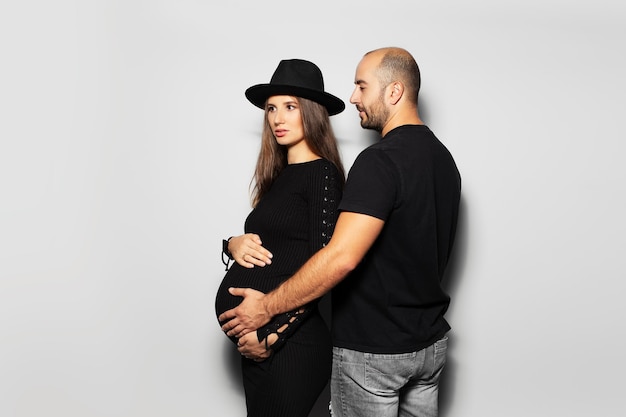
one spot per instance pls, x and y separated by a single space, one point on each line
372 184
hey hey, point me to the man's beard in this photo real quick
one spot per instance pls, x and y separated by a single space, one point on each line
376 116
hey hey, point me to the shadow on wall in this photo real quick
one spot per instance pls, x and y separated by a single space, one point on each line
232 363
453 274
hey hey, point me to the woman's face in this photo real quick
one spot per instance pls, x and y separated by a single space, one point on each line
285 120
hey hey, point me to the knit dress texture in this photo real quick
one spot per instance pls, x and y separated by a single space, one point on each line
294 219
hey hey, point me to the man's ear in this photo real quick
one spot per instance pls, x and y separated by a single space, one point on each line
397 90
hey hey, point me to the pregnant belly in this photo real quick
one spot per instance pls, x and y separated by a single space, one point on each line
241 277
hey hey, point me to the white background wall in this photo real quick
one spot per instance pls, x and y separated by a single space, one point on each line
127 147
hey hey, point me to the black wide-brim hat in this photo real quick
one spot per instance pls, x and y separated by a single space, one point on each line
296 77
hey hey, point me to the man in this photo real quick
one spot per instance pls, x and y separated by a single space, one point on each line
391 243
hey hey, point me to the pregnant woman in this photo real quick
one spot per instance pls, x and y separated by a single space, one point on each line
297 187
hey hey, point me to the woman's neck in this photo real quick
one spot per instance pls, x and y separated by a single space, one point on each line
298 155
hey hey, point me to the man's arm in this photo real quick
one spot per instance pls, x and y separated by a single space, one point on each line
353 236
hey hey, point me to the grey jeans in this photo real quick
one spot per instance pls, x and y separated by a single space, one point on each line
386 385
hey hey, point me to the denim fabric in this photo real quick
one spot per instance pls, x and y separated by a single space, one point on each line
386 385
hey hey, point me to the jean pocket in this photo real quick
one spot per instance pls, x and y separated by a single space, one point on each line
441 345
439 352
388 372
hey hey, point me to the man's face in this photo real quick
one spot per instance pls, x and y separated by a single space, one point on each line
369 96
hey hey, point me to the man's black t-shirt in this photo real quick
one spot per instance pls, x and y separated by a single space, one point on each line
393 301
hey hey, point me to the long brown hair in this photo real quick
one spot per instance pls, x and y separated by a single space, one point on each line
318 134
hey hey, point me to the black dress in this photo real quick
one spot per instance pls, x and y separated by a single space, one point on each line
294 220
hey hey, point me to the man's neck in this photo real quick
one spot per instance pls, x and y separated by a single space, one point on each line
401 119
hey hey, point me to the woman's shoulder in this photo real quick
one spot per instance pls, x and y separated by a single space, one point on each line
324 167
314 172
325 164
315 165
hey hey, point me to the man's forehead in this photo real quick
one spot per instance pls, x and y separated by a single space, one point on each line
365 72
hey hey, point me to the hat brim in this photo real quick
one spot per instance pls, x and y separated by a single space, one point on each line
258 95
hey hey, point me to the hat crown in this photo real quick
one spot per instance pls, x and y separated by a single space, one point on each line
299 78
298 73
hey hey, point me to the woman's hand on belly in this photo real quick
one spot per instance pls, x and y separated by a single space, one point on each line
248 250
